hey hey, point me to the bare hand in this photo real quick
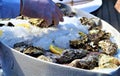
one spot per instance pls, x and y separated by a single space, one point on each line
117 6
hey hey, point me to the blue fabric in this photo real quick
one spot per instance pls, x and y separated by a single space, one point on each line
9 8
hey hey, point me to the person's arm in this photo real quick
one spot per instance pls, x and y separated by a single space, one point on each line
9 8
117 6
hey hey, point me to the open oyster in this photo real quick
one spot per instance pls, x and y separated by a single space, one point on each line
106 61
88 62
107 47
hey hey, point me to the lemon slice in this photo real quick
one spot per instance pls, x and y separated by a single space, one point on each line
26 25
1 32
55 50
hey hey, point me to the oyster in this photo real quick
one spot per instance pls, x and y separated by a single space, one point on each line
33 51
103 58
52 56
106 61
108 47
29 49
79 43
39 22
67 11
84 43
91 22
20 46
97 35
88 62
70 55
35 21
42 57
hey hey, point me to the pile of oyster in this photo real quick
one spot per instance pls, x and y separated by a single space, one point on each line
94 50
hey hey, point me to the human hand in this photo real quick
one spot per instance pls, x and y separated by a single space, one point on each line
45 9
117 6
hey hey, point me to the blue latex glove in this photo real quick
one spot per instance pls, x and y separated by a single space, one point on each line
9 8
45 9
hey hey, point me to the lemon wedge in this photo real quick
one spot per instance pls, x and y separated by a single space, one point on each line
56 50
26 25
1 32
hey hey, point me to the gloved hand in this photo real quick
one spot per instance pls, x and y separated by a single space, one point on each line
117 6
45 9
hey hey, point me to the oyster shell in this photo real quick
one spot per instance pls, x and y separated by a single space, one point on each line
88 62
108 47
103 58
95 40
35 21
106 61
97 35
29 49
67 11
39 22
84 43
42 57
91 22
70 55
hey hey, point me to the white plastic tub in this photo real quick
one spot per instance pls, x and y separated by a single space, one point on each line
88 6
15 63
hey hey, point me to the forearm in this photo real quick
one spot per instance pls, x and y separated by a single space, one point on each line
9 8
